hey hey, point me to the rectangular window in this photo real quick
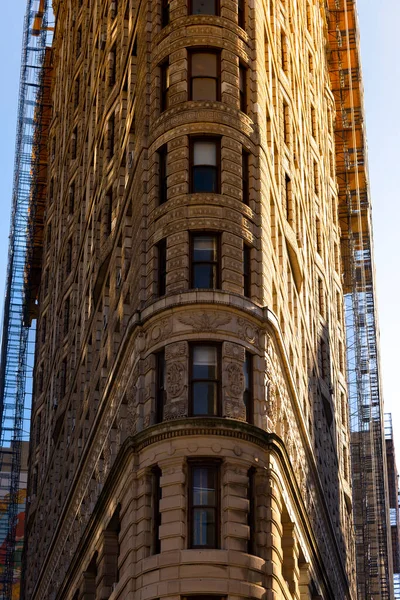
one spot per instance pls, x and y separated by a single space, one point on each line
111 136
63 378
204 7
164 74
286 137
156 495
204 76
67 308
245 177
76 92
204 380
74 144
68 257
204 505
243 88
71 198
165 16
162 174
288 189
247 271
161 267
160 386
205 261
205 160
241 14
248 386
112 66
251 515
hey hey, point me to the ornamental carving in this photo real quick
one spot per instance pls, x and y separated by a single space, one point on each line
204 321
159 332
235 379
175 379
175 410
235 409
132 410
175 350
248 332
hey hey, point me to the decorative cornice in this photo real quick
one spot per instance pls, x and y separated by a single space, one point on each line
200 426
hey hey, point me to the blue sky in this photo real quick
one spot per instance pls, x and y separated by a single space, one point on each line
381 70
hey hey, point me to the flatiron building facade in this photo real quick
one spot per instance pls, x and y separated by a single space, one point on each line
190 431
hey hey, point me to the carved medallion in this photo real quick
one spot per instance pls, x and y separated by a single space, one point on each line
175 379
235 383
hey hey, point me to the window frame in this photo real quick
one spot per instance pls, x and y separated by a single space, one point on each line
164 88
215 14
206 138
242 14
156 496
202 50
208 463
217 380
247 270
165 13
161 267
217 262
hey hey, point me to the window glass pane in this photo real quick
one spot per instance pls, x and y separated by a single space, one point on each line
204 276
204 7
242 78
205 180
205 362
204 248
204 88
204 64
204 528
205 153
204 398
204 487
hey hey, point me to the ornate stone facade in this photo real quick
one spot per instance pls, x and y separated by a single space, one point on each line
121 435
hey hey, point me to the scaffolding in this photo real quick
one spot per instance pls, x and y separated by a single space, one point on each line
17 345
370 491
393 483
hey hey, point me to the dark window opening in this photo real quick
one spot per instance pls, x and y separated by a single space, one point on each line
204 7
67 308
68 259
164 74
156 496
71 198
247 271
205 261
242 14
165 13
204 380
204 505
